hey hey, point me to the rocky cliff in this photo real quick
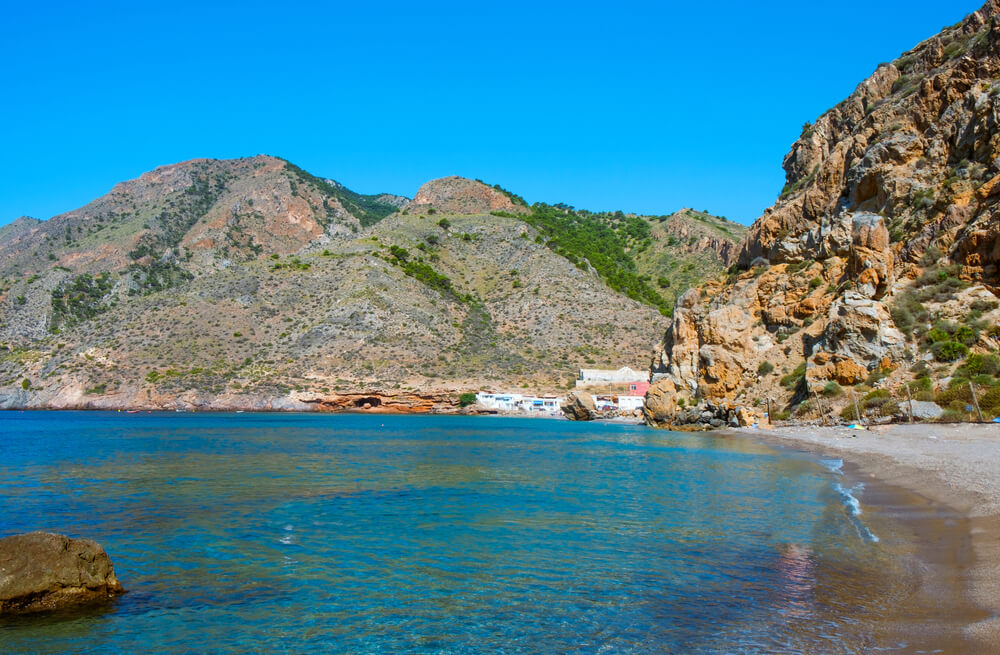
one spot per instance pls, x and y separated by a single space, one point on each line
879 261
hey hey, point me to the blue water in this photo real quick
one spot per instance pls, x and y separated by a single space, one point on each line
347 533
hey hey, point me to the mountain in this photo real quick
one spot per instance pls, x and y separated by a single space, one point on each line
878 264
251 283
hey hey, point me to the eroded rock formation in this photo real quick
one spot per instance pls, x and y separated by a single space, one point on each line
902 176
385 403
579 406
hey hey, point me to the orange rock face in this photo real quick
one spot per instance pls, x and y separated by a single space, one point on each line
873 185
379 403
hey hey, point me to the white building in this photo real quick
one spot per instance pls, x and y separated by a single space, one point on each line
545 404
604 403
630 403
504 402
515 402
592 376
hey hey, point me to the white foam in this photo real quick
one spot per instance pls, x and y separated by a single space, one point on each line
853 506
833 465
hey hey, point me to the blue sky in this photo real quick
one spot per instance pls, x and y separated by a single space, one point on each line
638 106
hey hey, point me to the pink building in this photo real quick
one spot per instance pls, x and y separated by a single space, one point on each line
638 388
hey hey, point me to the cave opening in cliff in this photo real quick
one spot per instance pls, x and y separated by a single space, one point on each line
367 402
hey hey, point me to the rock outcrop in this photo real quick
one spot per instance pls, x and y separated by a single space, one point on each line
385 403
579 406
705 415
459 195
41 571
898 181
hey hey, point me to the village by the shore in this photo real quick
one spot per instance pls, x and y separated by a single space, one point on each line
601 385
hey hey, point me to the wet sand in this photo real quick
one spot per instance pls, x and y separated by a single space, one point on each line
942 484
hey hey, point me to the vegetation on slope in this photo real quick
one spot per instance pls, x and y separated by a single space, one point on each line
599 241
170 225
369 210
81 299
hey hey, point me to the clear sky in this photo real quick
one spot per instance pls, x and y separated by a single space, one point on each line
640 106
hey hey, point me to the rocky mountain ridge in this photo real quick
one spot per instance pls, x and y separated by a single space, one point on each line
252 284
878 265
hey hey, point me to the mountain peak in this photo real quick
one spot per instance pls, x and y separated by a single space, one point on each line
460 195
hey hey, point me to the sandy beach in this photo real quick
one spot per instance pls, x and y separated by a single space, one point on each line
954 465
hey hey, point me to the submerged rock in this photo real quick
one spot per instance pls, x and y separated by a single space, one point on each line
40 571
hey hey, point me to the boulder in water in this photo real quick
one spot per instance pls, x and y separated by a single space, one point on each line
40 571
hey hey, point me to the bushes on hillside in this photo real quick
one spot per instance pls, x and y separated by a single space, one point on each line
598 241
793 379
949 351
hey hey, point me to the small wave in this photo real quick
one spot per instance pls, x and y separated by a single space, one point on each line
833 465
853 506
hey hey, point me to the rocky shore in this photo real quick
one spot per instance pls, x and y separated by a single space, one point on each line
951 465
373 401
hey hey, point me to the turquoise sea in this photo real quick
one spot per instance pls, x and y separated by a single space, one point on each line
307 533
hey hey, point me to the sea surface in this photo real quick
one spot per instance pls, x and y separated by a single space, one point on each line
306 533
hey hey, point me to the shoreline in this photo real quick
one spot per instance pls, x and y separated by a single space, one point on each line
616 420
944 469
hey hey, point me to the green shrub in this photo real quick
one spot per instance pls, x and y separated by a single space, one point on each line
848 413
989 402
937 335
920 384
954 393
402 254
927 396
951 416
792 380
876 398
781 416
983 380
966 335
831 389
765 368
922 199
25 384
984 305
876 374
467 399
444 223
889 408
949 351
